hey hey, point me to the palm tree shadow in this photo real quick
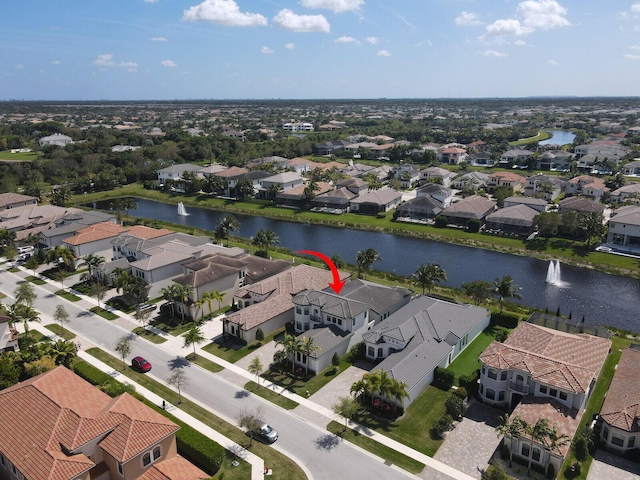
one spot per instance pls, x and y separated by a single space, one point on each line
327 442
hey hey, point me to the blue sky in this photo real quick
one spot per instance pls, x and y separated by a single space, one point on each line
300 49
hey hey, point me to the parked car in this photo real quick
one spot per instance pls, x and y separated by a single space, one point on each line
266 433
140 364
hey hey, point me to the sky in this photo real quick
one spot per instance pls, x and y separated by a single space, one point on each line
317 49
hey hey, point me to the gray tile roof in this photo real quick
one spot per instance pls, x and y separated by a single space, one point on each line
474 206
325 338
379 297
517 215
331 303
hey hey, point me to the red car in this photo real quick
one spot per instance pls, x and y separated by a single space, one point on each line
140 364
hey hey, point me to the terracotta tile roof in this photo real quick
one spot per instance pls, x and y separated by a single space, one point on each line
279 290
66 412
531 409
11 198
176 468
147 233
231 172
621 407
93 233
560 359
506 176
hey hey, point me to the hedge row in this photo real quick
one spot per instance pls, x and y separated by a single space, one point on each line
193 445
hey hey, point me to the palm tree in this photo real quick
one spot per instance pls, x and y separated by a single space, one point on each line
555 441
371 381
123 280
291 345
193 337
505 288
182 295
358 388
226 225
25 294
169 294
219 296
255 368
199 303
19 312
385 383
537 433
308 347
60 253
264 239
92 262
427 275
510 429
62 352
207 298
398 390
365 259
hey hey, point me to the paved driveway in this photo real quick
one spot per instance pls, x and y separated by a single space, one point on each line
470 445
608 465
340 386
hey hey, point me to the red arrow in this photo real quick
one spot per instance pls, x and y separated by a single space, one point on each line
337 283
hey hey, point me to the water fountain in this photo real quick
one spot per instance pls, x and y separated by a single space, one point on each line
181 210
553 273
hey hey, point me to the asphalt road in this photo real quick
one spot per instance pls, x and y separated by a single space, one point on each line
322 454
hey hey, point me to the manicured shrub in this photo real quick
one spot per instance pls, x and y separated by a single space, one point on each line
460 392
443 379
356 352
259 335
501 335
454 407
470 383
507 320
473 225
581 448
440 222
443 424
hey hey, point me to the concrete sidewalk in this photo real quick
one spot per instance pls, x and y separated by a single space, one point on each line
175 345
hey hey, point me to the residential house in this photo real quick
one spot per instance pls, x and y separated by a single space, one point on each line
376 201
63 227
620 412
57 139
212 169
434 190
424 334
285 181
329 148
588 186
124 148
175 172
420 209
582 205
267 304
452 155
505 179
337 322
15 200
624 227
627 192
542 373
224 274
475 179
234 134
298 127
555 160
601 150
538 204
93 238
298 165
515 157
481 159
8 335
407 174
254 176
516 220
353 184
548 187
474 207
335 201
439 175
631 168
294 197
356 169
74 431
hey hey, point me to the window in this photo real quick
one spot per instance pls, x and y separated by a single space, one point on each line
525 450
493 375
543 389
146 459
563 395
298 326
306 326
483 370
156 453
617 439
605 433
371 351
298 310
503 375
491 394
306 310
353 322
536 455
501 396
553 392
340 321
632 441
380 353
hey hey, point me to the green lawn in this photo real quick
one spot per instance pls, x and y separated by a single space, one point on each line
270 395
18 156
413 428
537 138
104 313
35 280
173 326
68 296
57 329
149 335
296 383
283 467
232 352
204 363
467 362
371 446
594 405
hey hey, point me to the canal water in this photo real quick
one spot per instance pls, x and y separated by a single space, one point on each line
603 299
559 137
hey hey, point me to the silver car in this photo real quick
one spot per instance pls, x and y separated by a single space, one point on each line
266 433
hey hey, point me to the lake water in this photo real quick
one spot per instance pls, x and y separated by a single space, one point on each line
560 137
603 299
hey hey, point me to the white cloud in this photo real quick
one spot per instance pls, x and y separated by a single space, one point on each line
266 50
290 46
168 63
383 53
336 6
223 12
635 8
56 62
150 1
424 42
520 43
373 40
493 53
635 47
158 39
106 60
632 56
347 40
552 62
536 15
468 18
543 14
20 66
301 23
